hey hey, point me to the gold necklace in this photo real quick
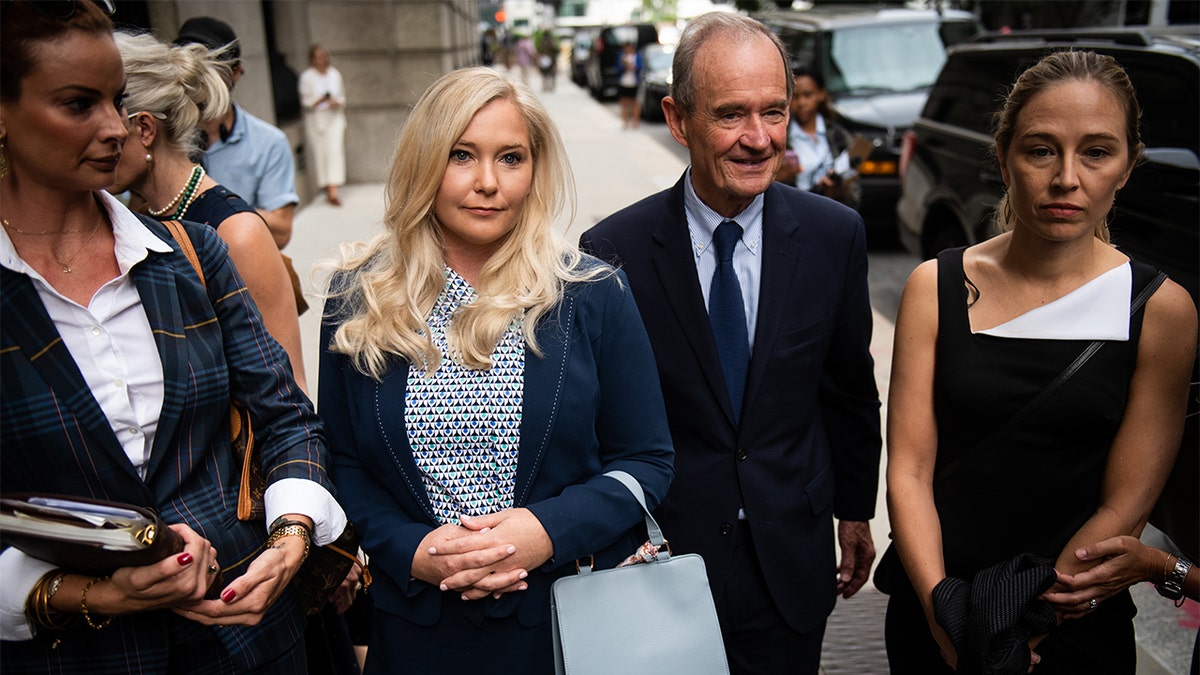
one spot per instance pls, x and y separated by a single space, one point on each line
18 230
66 264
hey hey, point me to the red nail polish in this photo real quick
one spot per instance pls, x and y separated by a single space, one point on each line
184 559
228 595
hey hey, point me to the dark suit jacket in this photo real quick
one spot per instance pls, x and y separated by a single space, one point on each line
808 444
56 439
591 405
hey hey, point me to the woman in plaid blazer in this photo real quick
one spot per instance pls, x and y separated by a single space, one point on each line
119 364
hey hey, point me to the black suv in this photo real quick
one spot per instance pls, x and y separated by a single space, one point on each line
602 66
878 64
951 181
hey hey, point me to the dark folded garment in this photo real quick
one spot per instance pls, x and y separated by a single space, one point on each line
991 619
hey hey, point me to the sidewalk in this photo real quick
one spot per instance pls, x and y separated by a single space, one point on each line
614 168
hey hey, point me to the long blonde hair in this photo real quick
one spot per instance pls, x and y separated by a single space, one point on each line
389 285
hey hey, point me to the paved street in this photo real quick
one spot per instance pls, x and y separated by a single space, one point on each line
614 168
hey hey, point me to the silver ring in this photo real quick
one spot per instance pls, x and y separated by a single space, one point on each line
1093 604
213 569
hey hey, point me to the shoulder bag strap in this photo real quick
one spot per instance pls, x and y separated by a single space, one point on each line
1045 393
185 243
240 429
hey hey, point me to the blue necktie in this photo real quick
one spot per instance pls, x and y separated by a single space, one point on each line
727 315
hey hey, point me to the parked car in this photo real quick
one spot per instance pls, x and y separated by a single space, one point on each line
602 68
951 180
878 64
656 79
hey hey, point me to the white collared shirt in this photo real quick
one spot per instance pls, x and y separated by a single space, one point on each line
702 222
111 342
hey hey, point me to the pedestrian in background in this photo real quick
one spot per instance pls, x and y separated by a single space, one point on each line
981 331
119 367
246 154
169 91
323 98
547 47
525 53
815 140
629 65
478 375
755 298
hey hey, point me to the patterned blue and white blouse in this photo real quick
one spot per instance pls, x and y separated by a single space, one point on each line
465 425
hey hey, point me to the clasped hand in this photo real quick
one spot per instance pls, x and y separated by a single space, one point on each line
486 555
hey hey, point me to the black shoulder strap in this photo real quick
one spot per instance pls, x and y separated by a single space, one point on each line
1045 393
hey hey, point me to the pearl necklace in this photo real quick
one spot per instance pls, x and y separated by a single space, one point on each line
182 195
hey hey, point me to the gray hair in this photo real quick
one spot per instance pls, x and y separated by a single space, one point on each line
710 26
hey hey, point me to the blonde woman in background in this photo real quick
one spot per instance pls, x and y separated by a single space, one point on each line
170 90
323 97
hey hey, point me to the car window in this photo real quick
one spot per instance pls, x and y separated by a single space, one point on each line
623 35
1169 93
658 60
884 58
802 45
958 32
970 90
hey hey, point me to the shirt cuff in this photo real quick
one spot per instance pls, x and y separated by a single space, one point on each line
20 573
309 498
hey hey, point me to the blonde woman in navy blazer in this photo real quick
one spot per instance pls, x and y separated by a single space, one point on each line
479 375
118 366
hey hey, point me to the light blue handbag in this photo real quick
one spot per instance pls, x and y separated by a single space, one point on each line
656 615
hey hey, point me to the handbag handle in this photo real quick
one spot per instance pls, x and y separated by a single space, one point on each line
652 528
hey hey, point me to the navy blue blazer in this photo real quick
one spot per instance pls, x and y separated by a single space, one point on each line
808 444
56 439
592 404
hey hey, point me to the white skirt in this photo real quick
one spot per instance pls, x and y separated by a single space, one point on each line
325 142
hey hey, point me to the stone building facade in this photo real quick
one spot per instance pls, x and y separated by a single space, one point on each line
388 51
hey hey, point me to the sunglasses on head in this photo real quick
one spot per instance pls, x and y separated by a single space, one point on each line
63 9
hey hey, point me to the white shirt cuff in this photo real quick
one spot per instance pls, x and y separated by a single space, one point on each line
18 575
297 495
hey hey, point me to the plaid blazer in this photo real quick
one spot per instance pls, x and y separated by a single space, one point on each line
56 439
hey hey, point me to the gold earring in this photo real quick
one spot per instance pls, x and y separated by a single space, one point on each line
3 159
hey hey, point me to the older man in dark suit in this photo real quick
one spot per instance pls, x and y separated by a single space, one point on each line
755 298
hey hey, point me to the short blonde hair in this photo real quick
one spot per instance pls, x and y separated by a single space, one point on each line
389 285
184 84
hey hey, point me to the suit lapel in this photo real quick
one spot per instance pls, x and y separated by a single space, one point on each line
779 264
675 264
390 396
543 393
25 319
155 281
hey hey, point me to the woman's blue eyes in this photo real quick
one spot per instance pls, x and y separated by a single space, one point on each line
511 159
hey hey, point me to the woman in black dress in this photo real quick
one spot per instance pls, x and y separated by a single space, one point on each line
982 331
